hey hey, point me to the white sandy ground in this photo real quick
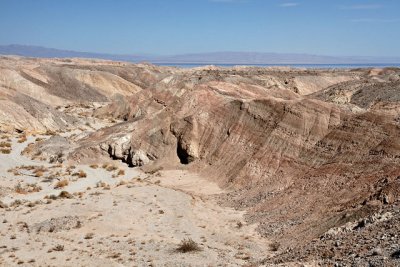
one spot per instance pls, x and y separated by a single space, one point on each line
139 223
15 159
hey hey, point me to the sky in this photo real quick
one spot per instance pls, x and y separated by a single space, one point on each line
167 27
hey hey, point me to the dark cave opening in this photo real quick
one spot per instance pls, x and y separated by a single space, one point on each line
183 156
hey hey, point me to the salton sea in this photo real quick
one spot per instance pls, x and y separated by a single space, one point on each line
312 66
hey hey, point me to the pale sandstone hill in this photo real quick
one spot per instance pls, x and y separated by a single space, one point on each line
32 89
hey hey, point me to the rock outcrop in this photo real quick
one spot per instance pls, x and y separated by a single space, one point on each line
298 163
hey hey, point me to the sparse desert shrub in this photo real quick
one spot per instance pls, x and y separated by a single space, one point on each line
52 176
19 189
28 167
274 246
94 166
82 174
22 139
89 236
69 169
104 166
5 151
51 197
153 171
79 194
31 204
122 183
50 132
29 188
61 184
111 168
188 245
34 188
5 144
16 203
58 248
121 172
78 224
97 193
39 173
3 206
65 194
100 184
104 185
114 255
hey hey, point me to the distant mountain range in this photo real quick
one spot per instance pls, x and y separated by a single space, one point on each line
200 58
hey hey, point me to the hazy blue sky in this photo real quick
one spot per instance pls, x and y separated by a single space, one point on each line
336 27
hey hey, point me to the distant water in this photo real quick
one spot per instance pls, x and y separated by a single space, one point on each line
311 66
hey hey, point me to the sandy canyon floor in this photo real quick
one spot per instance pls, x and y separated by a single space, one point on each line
115 216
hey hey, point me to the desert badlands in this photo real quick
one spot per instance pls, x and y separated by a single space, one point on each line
108 163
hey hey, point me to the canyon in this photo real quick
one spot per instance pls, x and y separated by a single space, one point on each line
260 166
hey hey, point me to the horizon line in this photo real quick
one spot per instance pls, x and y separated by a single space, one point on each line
200 53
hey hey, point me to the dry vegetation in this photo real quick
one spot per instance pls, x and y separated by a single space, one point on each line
111 168
28 188
274 246
61 184
5 145
154 170
22 139
40 171
89 236
80 174
65 194
50 132
188 245
104 185
5 151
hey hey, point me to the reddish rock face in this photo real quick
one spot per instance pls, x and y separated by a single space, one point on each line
297 160
300 160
